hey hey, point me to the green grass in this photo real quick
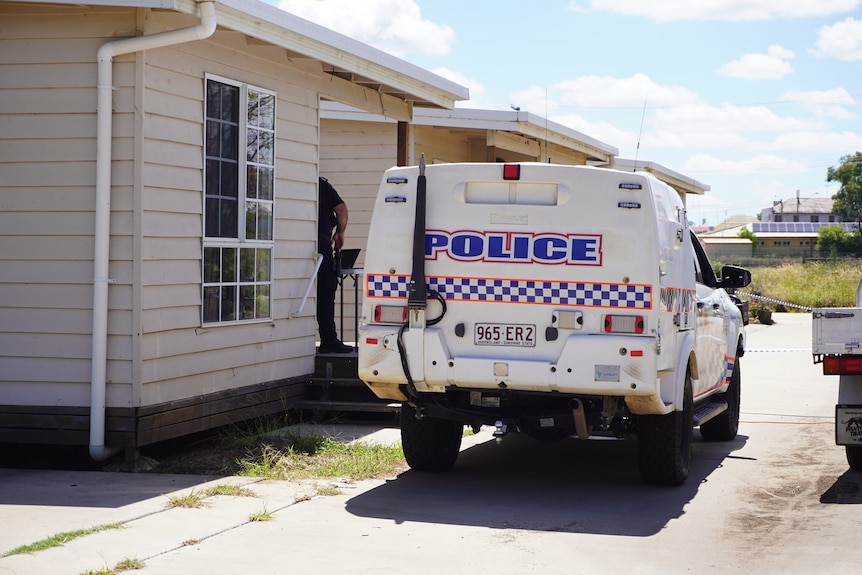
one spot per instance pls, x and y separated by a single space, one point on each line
192 500
60 539
810 284
228 489
262 515
311 457
124 565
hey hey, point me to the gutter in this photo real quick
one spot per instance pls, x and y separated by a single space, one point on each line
98 371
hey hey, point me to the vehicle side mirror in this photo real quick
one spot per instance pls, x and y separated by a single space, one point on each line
734 277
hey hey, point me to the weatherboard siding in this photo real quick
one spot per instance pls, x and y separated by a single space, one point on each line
47 182
180 357
158 350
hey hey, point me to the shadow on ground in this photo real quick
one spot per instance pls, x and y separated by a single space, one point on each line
569 486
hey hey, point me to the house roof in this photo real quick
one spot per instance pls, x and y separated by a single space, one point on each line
681 182
729 231
512 121
803 206
396 86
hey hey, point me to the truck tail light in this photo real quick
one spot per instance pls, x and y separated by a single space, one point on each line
390 314
624 324
842 365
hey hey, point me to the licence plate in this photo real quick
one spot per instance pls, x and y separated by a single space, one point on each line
514 334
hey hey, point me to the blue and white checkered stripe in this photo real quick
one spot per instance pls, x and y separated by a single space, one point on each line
610 295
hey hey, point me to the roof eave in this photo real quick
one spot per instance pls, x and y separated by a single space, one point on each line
280 28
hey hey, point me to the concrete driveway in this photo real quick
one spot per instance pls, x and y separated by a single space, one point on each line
778 499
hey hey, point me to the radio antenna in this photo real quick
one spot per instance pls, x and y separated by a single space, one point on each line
638 149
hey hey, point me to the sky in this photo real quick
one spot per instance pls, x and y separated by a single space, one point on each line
755 98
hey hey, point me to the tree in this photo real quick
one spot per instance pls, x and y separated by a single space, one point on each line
832 240
848 199
747 234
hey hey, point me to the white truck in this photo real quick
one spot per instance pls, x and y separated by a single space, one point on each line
836 340
549 300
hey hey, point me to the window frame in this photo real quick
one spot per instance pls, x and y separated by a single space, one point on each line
249 277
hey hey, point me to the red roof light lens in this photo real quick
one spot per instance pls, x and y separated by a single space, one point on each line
511 171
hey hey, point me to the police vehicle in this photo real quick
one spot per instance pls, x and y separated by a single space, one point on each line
549 300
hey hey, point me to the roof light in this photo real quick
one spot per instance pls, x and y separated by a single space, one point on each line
511 171
631 186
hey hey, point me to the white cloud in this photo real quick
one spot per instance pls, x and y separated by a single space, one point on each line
586 92
762 163
731 10
823 103
842 41
624 141
770 66
478 95
823 141
677 119
394 26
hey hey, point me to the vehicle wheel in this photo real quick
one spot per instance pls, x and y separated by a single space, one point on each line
429 443
724 426
664 443
854 456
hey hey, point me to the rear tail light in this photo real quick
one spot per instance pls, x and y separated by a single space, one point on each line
624 324
390 314
842 365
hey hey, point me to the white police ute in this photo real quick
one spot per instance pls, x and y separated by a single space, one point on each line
549 300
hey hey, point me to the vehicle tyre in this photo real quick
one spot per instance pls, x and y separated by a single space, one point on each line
725 426
854 456
664 443
429 443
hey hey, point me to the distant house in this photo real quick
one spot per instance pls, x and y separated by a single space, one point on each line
771 239
816 210
722 242
158 188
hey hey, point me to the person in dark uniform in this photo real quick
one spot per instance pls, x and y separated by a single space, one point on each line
331 223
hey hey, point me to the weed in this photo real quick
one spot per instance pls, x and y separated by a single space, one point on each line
262 515
328 490
228 489
312 456
60 539
124 565
192 501
809 284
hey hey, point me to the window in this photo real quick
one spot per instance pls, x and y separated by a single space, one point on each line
238 202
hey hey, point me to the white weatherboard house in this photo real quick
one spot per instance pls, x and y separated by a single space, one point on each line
158 189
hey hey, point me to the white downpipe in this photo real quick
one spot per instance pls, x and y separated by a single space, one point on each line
98 382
